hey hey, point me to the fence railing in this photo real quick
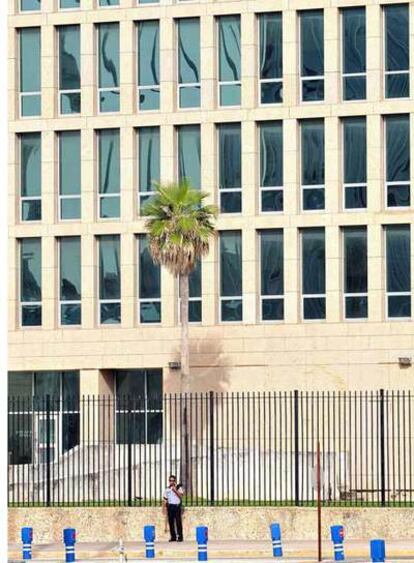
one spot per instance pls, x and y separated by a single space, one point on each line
228 449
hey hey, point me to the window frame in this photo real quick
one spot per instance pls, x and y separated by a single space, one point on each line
20 11
142 301
155 87
66 302
72 91
385 119
312 78
345 75
344 272
229 297
145 411
220 83
262 81
23 95
100 301
65 197
386 73
113 195
116 89
74 9
177 129
99 6
311 186
275 189
346 185
388 294
141 194
303 295
181 86
22 199
38 414
19 284
218 127
273 297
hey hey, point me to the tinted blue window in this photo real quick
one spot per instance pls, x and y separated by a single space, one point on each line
398 252
149 284
312 55
110 279
398 160
355 272
30 72
70 280
271 165
354 53
271 274
189 61
271 59
31 281
29 5
149 65
231 282
229 60
355 162
230 167
30 176
189 154
397 52
109 173
69 68
313 273
313 163
109 67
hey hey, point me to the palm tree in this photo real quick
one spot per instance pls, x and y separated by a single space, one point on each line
180 227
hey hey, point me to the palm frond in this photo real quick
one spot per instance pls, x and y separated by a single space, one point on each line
180 226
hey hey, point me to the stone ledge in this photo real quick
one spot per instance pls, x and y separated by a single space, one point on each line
230 523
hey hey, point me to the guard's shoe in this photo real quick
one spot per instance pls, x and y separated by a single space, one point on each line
172 539
180 539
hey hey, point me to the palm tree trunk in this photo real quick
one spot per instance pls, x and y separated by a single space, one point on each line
185 350
185 384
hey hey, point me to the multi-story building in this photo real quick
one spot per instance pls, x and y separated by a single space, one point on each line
296 116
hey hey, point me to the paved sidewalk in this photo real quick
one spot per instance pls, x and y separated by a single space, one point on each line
231 550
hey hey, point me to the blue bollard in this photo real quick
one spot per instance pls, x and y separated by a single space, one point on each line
202 539
276 540
377 551
27 538
69 539
149 537
337 535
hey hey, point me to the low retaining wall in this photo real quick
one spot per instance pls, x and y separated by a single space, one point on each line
110 524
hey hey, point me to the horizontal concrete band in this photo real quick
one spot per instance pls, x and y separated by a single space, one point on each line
224 523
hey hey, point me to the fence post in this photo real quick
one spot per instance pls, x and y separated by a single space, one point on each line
212 476
296 439
48 438
382 445
129 454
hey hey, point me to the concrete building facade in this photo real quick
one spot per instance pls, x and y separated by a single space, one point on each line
296 116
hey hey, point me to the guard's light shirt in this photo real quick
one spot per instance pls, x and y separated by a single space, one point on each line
171 496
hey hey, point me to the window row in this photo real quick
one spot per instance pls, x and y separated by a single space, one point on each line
397 190
36 5
271 273
229 54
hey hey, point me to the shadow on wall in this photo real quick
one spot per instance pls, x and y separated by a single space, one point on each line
208 368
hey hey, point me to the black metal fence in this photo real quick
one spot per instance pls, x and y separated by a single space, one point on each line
228 449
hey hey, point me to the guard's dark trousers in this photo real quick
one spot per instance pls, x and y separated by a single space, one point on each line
175 522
